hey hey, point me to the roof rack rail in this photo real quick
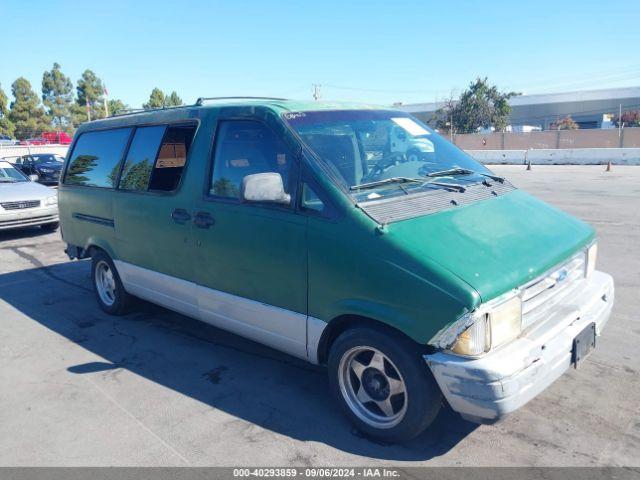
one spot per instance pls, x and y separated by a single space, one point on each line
126 111
200 101
133 111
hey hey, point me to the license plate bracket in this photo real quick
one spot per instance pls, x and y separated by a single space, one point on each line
583 344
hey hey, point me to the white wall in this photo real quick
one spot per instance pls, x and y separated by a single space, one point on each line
17 150
563 156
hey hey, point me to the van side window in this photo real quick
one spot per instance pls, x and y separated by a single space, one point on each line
140 158
96 158
310 200
245 147
172 158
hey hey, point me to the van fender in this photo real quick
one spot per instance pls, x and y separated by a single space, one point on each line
97 242
366 308
346 312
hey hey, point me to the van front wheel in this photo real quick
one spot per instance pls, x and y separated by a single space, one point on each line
383 384
110 293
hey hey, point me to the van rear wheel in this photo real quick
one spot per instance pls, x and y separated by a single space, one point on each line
110 292
383 384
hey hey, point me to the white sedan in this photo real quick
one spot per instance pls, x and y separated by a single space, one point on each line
25 203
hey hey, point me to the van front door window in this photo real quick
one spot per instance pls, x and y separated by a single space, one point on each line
246 148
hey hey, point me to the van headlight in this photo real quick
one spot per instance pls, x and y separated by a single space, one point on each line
475 339
491 325
505 321
592 255
53 200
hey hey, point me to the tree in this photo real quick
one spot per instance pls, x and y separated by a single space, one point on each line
27 114
630 118
136 176
116 106
441 118
81 165
480 106
57 95
90 91
224 187
157 99
567 123
173 100
6 125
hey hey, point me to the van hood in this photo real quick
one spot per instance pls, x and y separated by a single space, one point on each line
15 192
494 245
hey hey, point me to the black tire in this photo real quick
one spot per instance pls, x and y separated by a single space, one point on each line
50 227
422 395
121 300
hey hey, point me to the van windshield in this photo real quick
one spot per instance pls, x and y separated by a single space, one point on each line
372 148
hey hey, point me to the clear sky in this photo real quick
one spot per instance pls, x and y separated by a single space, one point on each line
371 51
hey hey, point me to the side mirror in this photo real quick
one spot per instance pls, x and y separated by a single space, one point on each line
34 178
264 187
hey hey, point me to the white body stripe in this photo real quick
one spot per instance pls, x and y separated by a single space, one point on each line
291 332
315 327
170 292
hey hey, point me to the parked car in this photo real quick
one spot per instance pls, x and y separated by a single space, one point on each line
61 138
47 166
7 140
410 278
25 203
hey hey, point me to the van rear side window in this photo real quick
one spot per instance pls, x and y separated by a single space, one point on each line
140 158
172 158
96 158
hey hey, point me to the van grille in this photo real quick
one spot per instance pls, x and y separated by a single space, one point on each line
543 293
20 205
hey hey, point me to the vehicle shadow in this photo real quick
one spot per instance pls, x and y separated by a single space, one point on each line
229 373
24 232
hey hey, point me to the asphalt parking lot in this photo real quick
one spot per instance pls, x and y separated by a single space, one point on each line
78 387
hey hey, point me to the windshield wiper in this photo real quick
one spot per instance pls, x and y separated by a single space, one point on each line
402 180
463 171
386 181
452 186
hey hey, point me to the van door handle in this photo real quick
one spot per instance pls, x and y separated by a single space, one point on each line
203 220
180 215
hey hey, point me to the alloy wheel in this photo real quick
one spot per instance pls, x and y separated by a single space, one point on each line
373 387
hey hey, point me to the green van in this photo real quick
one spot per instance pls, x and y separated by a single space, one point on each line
349 236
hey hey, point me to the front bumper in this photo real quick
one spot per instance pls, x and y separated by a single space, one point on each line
28 217
487 388
49 178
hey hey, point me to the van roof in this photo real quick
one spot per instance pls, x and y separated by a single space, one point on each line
172 113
